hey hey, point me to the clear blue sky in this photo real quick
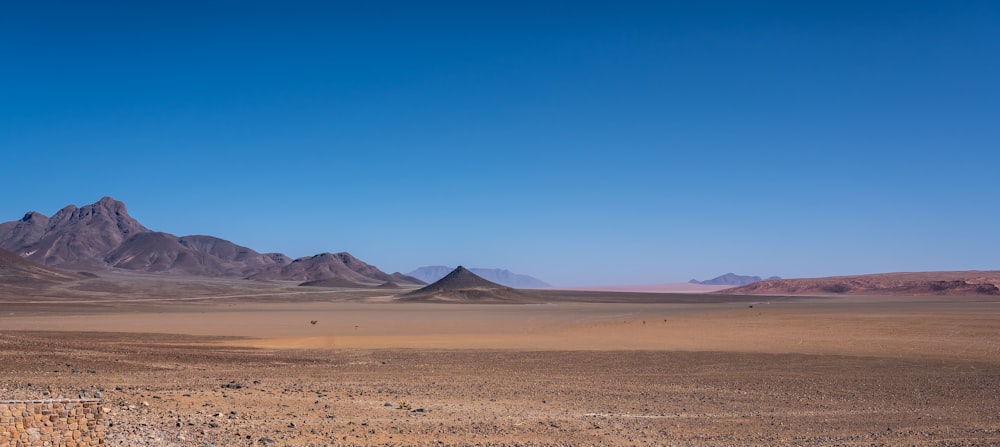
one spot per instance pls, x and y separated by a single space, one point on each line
581 142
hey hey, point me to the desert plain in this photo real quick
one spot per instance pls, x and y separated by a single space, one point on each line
204 362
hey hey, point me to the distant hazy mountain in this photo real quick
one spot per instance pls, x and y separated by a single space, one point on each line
731 279
103 236
507 278
430 274
400 278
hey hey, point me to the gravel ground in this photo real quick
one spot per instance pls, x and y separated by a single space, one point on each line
162 390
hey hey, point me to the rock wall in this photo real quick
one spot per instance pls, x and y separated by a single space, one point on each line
56 422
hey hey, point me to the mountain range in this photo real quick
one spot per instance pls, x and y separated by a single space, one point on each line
507 278
731 279
103 237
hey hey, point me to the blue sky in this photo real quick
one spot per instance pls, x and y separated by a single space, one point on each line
580 142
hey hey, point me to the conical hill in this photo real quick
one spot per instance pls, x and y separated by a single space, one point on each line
461 285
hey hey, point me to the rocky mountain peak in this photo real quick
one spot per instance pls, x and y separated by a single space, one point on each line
33 216
74 237
103 236
109 202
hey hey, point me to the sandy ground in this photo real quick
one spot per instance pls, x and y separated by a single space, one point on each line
678 287
911 329
849 371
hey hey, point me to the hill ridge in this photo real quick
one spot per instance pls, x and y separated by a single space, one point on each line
955 283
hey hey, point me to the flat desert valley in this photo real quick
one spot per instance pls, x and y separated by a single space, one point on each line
244 363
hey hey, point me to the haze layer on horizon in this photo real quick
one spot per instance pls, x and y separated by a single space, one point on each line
578 142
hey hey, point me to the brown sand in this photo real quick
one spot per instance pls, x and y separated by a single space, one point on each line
924 329
812 371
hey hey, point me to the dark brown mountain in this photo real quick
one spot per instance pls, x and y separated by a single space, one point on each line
230 252
17 271
73 238
358 266
103 236
155 252
322 266
965 283
461 285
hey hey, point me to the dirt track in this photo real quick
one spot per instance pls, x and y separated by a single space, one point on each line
809 372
